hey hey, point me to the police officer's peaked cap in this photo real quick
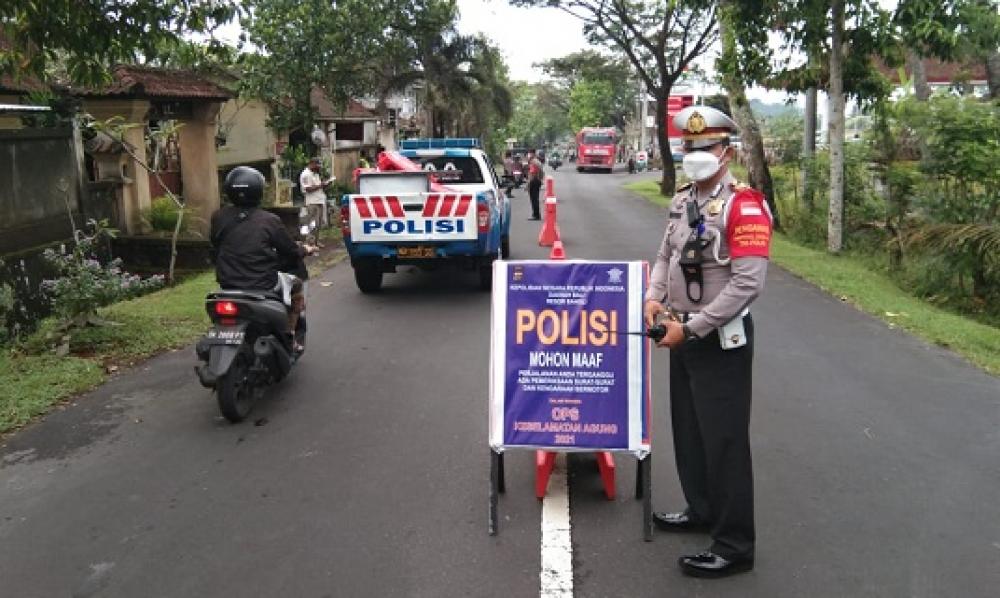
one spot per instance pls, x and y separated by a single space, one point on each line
703 126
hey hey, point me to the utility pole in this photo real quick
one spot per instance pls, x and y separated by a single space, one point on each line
643 109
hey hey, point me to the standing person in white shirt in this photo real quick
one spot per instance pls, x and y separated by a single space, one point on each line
312 186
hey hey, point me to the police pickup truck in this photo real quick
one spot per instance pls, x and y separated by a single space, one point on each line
440 203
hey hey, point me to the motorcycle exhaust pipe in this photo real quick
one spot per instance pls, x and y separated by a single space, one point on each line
206 377
269 351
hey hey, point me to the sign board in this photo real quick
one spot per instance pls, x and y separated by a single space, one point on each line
564 373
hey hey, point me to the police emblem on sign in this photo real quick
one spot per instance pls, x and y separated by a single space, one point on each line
615 276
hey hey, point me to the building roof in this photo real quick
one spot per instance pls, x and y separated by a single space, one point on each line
23 85
152 82
939 72
325 109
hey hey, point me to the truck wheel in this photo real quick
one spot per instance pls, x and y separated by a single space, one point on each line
579 168
368 276
505 246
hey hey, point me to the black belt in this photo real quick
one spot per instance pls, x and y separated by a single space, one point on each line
687 316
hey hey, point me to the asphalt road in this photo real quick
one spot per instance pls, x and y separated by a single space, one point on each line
877 459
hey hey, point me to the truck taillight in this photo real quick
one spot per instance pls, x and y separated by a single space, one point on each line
226 308
345 220
483 217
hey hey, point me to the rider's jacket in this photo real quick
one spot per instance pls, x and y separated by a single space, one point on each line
249 247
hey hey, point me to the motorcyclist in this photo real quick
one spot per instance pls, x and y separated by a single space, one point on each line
508 172
249 245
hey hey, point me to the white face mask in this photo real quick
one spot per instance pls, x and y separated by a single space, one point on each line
699 166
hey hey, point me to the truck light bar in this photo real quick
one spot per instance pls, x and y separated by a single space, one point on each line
440 143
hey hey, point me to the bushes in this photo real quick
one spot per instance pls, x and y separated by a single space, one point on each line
6 307
934 225
162 215
84 284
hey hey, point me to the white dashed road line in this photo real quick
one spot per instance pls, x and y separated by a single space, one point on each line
557 541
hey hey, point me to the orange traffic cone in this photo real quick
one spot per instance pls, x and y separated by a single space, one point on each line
557 253
550 230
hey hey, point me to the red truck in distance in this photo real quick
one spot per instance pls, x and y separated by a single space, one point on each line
596 148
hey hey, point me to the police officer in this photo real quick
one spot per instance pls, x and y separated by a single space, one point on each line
710 266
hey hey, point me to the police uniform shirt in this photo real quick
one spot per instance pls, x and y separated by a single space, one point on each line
738 222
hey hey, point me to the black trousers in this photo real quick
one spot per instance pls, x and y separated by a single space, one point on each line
710 391
534 186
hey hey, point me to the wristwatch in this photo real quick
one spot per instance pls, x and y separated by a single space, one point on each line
688 335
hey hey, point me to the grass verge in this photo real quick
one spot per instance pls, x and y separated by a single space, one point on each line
33 378
854 281
649 190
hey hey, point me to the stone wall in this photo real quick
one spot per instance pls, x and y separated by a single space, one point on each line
39 187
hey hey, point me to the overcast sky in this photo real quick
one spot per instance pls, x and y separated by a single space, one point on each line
531 35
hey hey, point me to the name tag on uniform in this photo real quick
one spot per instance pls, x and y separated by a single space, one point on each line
675 215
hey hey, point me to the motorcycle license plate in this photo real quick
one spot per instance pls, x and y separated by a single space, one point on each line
227 336
416 252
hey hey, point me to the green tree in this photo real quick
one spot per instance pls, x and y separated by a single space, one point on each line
660 40
591 104
959 207
540 115
734 82
839 39
90 36
950 30
467 92
489 102
311 44
463 78
589 65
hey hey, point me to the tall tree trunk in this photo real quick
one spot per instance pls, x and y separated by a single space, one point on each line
809 149
915 64
921 91
835 220
758 171
668 183
993 74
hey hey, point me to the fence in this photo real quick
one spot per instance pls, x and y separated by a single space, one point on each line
39 186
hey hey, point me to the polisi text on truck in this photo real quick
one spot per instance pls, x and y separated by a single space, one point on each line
414 227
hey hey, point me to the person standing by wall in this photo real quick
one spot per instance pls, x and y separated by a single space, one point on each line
313 185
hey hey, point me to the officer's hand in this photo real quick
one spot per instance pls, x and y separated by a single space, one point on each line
651 310
675 335
310 249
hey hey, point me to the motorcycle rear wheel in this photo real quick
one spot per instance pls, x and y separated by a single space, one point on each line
234 390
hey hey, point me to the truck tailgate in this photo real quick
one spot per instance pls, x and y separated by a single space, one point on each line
413 217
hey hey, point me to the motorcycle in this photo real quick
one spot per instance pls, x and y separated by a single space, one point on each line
249 345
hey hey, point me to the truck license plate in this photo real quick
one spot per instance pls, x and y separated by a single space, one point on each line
416 252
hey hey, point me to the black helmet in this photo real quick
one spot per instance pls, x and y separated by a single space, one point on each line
244 186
